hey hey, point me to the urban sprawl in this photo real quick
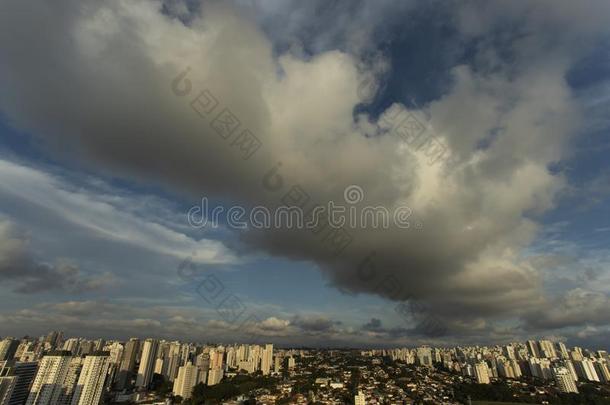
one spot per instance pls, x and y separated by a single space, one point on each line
53 370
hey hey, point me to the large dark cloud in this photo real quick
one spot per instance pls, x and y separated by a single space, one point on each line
314 324
95 80
576 308
373 325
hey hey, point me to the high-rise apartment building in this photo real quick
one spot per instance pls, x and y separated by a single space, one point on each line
160 367
548 349
231 358
242 353
54 339
545 368
116 352
509 352
360 399
203 361
48 384
532 348
8 347
188 377
18 378
23 347
128 362
505 369
216 358
254 355
277 364
92 379
98 345
215 376
586 370
481 372
69 383
246 365
563 350
71 345
267 359
563 379
7 384
147 363
424 356
85 347
174 361
576 354
602 370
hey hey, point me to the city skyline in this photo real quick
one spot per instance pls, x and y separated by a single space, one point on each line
67 339
535 346
57 369
162 164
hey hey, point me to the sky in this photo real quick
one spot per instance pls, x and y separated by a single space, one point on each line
111 131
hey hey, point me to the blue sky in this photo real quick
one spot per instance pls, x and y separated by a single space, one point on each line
100 163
